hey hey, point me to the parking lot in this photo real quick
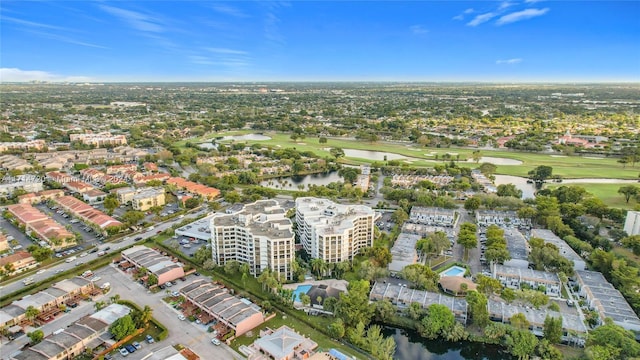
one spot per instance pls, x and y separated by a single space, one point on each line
88 235
19 236
189 334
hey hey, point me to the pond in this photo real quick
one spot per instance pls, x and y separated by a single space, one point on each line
294 182
497 161
411 346
246 137
372 155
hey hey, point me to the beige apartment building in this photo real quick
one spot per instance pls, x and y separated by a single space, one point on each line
146 198
334 232
259 235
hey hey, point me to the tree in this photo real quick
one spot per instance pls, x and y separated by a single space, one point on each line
632 242
132 217
472 204
439 321
399 216
191 203
146 314
546 351
305 299
336 152
488 285
628 191
322 140
540 173
521 343
553 329
336 329
519 321
384 310
122 327
478 308
476 156
31 313
487 169
467 237
617 341
35 336
318 266
353 306
111 202
509 190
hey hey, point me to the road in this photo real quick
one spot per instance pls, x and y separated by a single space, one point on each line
114 247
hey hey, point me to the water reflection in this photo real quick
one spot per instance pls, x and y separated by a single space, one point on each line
411 346
297 183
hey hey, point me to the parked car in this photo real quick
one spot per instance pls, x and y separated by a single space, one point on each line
123 352
130 348
215 341
136 345
181 317
150 339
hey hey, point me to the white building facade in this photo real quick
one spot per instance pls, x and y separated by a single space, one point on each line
259 235
334 232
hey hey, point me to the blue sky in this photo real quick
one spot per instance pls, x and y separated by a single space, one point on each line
508 41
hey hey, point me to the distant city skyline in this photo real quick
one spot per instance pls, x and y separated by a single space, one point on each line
245 41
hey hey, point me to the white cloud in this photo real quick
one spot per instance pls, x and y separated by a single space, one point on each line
521 15
466 12
136 20
509 61
229 10
419 29
226 51
18 75
505 4
32 24
482 18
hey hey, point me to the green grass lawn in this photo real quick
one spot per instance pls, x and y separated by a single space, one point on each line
565 166
608 193
324 343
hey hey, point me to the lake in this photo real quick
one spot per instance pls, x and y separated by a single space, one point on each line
292 182
411 346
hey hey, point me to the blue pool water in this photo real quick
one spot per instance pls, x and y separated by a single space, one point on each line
301 289
454 271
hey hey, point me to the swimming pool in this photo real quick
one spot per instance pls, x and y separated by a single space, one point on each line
301 289
454 271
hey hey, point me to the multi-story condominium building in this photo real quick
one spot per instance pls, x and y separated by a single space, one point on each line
27 183
601 296
433 216
259 235
18 262
334 232
26 145
4 243
117 169
515 278
34 198
147 198
500 218
98 140
632 224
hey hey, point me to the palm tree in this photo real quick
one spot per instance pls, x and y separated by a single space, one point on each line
31 313
115 298
318 266
146 314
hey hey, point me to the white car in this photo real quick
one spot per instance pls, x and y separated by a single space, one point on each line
215 341
181 317
41 271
